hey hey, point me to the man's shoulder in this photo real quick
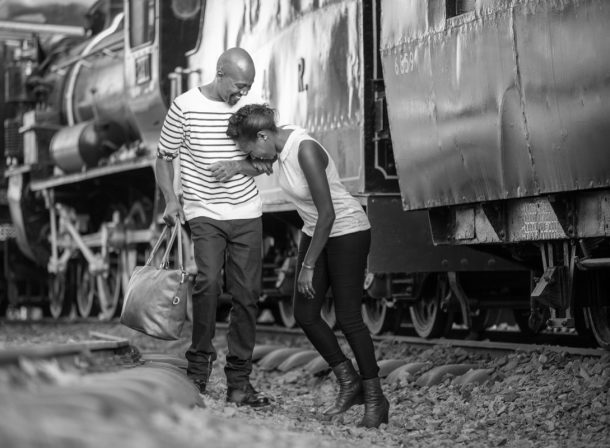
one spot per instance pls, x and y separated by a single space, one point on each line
189 97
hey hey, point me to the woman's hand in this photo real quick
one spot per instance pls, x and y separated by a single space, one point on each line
305 283
223 171
263 166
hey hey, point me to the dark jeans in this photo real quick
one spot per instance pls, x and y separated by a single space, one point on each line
239 243
341 267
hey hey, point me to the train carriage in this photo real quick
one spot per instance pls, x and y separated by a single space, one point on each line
472 132
499 118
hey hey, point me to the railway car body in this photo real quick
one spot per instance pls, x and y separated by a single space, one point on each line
499 118
438 114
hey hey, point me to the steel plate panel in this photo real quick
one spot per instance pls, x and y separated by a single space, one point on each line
509 100
308 67
402 242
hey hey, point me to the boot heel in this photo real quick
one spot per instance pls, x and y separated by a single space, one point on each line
376 405
386 417
386 414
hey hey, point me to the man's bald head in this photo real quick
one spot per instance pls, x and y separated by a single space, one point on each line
236 61
234 75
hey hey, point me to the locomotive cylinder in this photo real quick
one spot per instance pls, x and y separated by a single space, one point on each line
85 144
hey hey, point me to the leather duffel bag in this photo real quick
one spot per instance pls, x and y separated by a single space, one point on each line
156 298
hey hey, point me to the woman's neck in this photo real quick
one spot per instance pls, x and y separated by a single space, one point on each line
281 138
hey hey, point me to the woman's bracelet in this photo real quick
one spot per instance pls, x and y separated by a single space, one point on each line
306 266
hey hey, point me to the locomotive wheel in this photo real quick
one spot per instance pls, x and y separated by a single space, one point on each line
328 312
87 303
487 317
598 311
378 317
138 218
429 320
130 258
285 312
374 312
108 288
60 302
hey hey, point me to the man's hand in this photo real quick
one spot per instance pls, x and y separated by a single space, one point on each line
223 171
263 166
173 209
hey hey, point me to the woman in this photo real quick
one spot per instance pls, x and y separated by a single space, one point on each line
332 252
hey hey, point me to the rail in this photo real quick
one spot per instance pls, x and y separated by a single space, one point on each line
12 356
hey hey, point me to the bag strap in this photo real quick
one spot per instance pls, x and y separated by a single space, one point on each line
176 231
157 245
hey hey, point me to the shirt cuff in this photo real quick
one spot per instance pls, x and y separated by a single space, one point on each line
166 155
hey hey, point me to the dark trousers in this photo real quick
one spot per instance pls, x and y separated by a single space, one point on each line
341 267
239 243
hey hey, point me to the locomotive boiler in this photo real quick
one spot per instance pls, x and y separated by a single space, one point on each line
472 132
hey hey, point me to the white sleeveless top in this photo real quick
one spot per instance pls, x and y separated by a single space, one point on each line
349 215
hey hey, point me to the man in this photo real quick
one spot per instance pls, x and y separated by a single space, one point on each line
223 209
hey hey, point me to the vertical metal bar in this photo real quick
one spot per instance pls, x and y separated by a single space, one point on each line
53 217
543 256
179 80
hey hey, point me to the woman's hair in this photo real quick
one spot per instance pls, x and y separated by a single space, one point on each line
248 120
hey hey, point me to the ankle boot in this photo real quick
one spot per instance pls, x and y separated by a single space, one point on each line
376 405
350 388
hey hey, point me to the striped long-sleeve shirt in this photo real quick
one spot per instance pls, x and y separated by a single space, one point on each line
195 128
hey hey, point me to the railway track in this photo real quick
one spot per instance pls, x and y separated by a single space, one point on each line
493 340
286 350
492 347
128 385
100 351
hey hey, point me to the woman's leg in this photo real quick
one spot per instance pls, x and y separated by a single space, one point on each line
307 314
346 258
307 311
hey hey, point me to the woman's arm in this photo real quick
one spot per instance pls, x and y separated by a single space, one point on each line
225 170
313 161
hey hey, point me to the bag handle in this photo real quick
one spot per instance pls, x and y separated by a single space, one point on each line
177 229
157 245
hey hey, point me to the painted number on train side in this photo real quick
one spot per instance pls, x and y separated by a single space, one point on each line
301 71
404 63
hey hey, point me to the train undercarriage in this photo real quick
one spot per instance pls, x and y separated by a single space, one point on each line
95 240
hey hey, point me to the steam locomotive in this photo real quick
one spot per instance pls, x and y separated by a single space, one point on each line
474 132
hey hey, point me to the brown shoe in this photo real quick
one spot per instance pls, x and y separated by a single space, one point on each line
200 385
246 396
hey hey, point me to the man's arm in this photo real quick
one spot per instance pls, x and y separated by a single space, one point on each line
224 171
170 140
164 173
